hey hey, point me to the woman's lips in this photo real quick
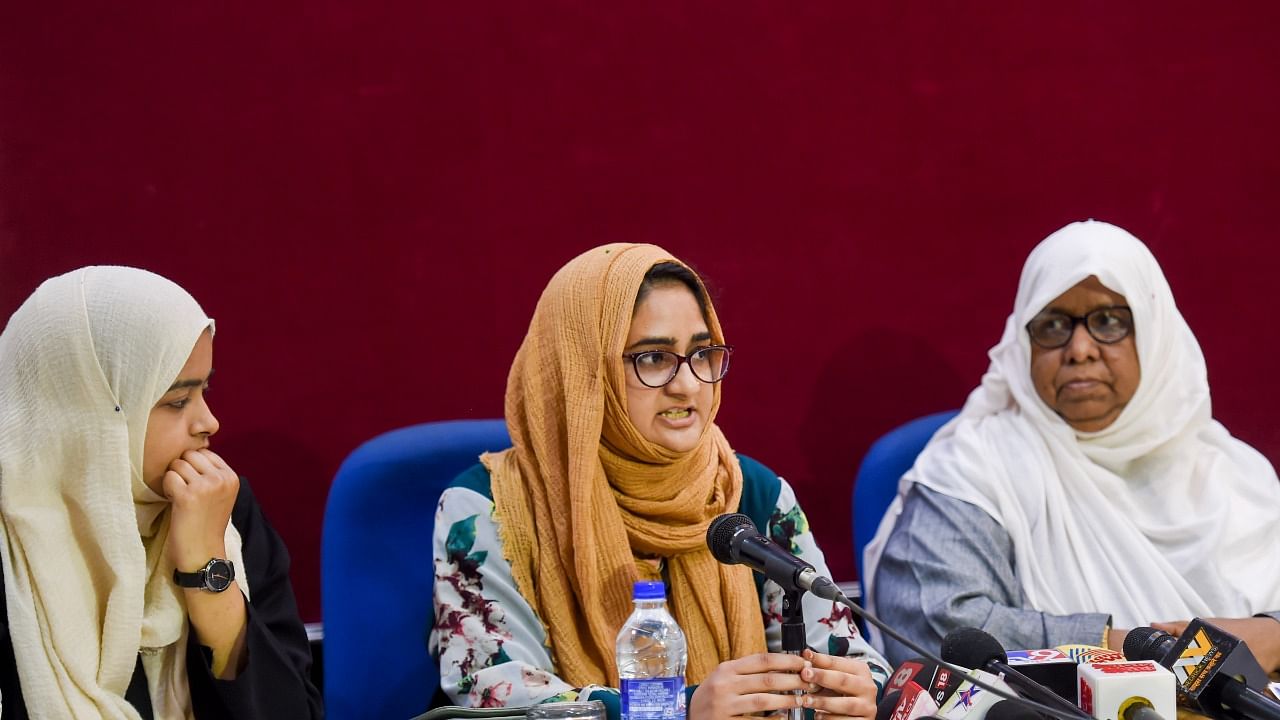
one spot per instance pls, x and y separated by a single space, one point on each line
1078 386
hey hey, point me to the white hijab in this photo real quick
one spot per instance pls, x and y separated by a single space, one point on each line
88 584
1162 515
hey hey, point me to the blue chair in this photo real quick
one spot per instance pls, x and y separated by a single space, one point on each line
376 570
884 464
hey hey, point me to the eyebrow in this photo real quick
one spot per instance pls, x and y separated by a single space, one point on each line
193 382
667 341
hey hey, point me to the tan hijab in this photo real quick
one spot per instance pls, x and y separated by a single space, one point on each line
87 582
581 493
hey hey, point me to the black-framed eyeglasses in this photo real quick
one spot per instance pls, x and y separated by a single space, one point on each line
1053 329
655 368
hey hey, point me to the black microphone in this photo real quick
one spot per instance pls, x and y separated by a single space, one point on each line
971 647
1009 710
917 669
887 704
733 539
1209 665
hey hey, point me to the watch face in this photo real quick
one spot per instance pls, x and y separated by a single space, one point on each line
218 575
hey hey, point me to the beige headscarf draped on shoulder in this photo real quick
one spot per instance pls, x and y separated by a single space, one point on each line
581 493
88 584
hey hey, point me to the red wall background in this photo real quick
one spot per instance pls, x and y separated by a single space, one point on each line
369 197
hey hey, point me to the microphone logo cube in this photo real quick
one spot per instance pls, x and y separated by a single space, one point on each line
906 673
1108 689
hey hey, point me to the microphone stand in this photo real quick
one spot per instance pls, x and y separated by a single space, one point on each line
793 636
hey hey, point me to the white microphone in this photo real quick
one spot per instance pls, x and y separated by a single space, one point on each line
1130 690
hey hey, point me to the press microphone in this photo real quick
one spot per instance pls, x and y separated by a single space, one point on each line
733 539
1051 667
909 670
1009 710
887 704
1127 690
1215 672
913 702
971 647
971 701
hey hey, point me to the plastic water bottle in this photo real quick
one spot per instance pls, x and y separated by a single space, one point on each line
651 658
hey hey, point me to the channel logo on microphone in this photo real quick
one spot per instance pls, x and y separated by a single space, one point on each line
1197 661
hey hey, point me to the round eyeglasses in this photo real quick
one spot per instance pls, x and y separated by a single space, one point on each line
655 368
1052 329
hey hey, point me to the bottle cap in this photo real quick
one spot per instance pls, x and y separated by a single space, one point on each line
649 590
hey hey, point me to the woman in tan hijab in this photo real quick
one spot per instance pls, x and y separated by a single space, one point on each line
140 578
616 470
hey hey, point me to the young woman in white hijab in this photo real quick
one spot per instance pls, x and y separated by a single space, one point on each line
1084 488
139 576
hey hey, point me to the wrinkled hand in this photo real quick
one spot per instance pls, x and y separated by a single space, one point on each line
753 684
1262 634
202 488
840 686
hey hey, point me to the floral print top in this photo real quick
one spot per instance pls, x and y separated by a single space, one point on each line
490 644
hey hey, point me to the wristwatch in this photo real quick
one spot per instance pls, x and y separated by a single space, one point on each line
215 576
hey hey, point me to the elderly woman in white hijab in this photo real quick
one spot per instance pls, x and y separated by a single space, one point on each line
140 578
1085 488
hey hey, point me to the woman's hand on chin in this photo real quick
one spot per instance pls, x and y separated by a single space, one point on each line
749 685
203 489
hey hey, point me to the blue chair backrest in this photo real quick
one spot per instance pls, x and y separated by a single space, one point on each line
376 571
884 464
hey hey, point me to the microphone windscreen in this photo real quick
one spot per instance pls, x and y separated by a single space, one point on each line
1010 710
720 535
888 704
972 648
1148 643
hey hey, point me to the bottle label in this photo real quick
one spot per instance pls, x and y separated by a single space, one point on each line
653 698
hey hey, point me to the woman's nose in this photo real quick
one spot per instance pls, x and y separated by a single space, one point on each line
1081 347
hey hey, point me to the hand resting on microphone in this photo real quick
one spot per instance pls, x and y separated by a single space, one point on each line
1262 634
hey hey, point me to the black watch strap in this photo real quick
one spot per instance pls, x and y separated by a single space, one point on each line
216 576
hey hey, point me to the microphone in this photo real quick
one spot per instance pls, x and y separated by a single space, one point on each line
733 539
1009 710
1208 665
1051 667
912 669
938 681
913 702
1127 690
972 702
971 647
887 704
